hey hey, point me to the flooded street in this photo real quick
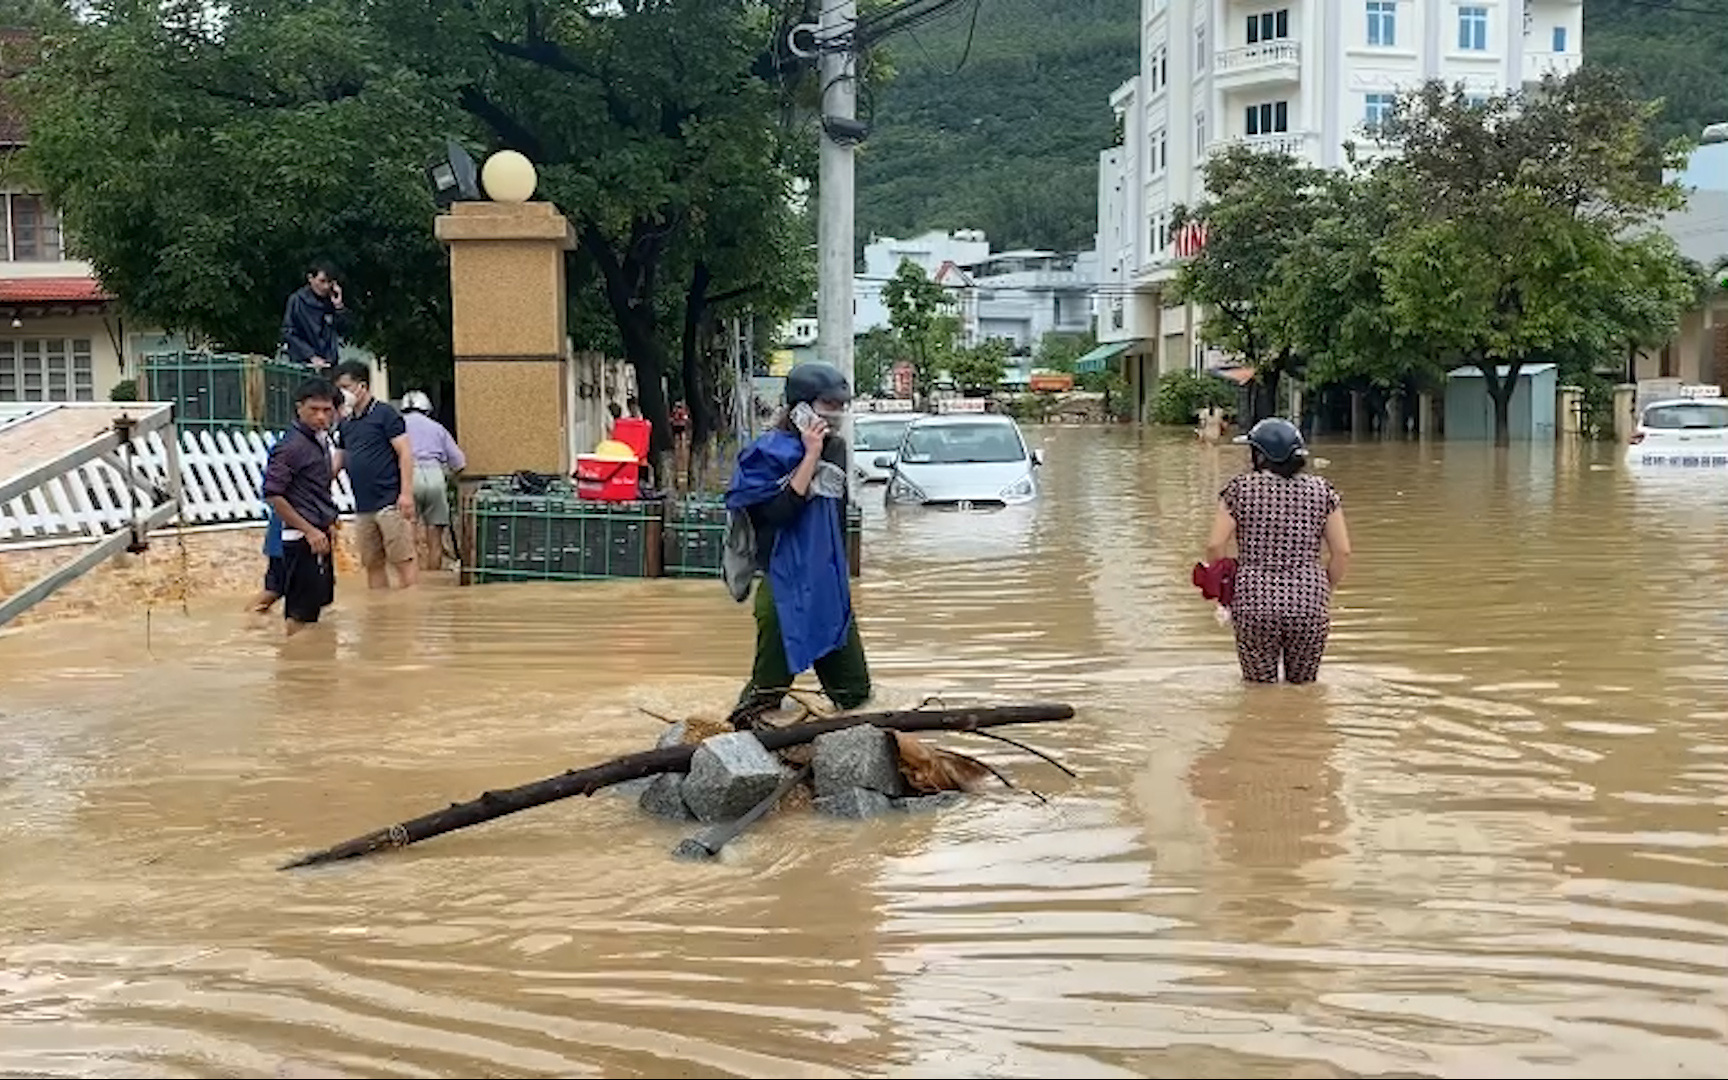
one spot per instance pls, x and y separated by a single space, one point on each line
1493 841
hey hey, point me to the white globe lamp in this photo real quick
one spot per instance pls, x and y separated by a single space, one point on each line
508 177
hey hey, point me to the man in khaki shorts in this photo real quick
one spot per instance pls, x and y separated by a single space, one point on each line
375 452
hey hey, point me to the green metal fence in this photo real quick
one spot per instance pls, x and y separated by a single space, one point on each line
560 537
223 390
696 536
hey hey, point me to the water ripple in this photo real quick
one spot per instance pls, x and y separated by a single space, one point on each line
1489 843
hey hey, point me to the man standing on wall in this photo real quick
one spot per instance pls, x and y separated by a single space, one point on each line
374 448
313 321
297 487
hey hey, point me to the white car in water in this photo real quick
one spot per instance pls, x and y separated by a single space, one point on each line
1690 432
964 461
876 436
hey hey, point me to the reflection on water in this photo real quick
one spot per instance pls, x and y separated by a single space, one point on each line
1489 843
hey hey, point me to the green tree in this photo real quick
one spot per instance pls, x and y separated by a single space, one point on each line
199 167
1258 207
203 154
657 131
1059 351
1656 286
922 315
1510 236
980 367
873 359
1327 299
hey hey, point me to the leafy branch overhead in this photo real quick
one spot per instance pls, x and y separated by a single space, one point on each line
203 155
1497 234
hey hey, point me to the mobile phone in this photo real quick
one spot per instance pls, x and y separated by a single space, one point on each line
803 416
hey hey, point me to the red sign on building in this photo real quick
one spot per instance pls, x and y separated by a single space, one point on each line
903 380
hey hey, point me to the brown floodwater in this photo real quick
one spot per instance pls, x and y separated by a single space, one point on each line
1492 842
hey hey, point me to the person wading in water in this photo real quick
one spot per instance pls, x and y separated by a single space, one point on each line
788 504
1278 518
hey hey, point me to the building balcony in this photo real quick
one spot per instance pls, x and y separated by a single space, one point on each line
1538 64
1295 143
1265 64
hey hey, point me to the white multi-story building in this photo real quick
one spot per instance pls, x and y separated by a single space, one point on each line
1299 76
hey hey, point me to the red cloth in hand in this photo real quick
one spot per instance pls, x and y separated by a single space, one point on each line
1216 581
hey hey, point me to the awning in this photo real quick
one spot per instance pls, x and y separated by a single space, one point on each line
1239 374
1099 359
52 290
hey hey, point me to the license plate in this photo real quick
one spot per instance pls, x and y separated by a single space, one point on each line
1694 461
963 505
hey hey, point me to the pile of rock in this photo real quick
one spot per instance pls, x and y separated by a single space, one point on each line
855 774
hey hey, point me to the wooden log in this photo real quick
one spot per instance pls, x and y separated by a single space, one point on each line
496 804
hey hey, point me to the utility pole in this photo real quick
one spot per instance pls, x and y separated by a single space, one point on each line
836 42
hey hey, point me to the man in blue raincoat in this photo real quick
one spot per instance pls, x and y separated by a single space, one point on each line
790 486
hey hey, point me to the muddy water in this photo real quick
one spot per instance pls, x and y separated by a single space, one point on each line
1491 843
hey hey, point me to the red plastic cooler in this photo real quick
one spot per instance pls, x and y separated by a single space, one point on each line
605 479
633 433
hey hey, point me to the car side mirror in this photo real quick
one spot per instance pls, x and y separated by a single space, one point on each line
884 461
1038 456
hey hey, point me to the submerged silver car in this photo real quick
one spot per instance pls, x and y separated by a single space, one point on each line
876 436
964 461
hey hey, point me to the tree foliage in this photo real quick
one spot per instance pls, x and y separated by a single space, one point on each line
203 155
200 170
1258 208
921 313
1498 234
1515 217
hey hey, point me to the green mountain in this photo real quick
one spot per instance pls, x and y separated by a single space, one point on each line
1009 141
1000 129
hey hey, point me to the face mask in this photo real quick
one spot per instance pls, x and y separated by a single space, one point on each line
349 398
832 416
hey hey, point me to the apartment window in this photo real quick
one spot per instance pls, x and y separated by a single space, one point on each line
1199 50
29 230
1476 101
1559 39
1199 131
1377 110
1163 67
1266 118
1269 26
1473 29
1160 151
46 369
1383 23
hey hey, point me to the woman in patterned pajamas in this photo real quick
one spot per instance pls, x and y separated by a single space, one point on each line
1278 518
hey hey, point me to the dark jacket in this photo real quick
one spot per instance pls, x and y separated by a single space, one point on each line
311 326
299 471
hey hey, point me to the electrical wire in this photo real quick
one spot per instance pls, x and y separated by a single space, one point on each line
965 53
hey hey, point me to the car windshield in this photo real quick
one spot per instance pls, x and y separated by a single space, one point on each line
957 444
1690 416
880 435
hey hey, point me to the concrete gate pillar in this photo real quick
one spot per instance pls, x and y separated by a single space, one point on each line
513 387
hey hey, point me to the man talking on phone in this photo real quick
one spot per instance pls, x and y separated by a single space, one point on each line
791 482
313 322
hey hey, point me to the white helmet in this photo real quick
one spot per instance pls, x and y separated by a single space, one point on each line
416 401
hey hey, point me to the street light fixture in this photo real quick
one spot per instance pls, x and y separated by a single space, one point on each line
454 178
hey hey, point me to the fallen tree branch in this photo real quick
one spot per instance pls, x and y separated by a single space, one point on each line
496 804
1033 750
